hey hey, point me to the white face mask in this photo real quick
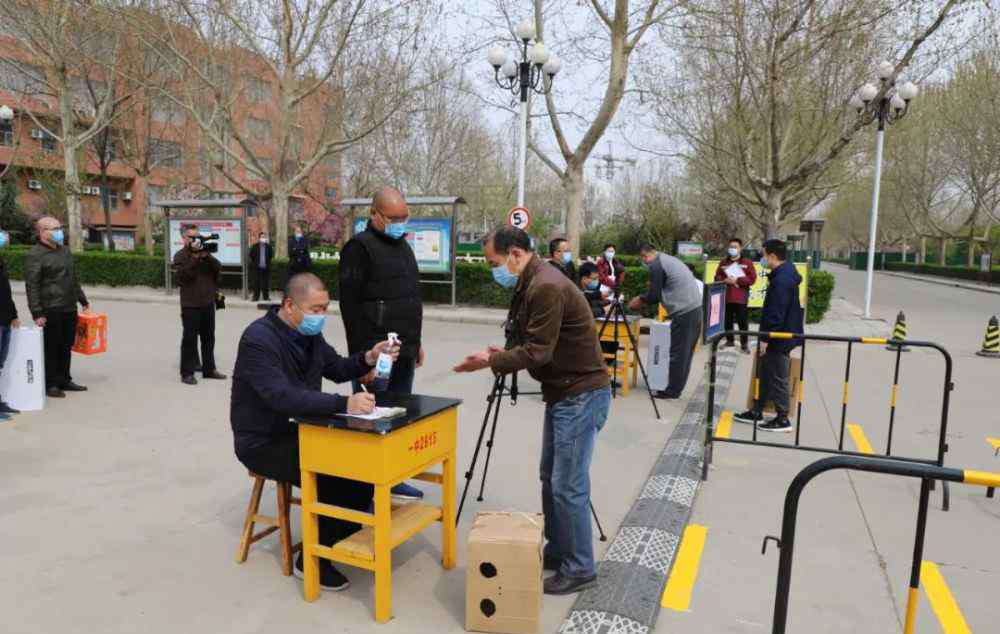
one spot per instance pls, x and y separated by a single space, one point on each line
733 252
263 240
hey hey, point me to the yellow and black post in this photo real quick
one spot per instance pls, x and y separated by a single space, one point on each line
898 334
991 342
843 405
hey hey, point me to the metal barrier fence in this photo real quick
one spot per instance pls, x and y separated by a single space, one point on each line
801 340
928 473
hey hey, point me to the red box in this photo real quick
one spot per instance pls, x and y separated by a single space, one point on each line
91 334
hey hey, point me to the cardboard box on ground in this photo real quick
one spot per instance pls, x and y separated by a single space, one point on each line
794 369
503 587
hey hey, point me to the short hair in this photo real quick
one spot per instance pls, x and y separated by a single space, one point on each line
554 244
505 238
301 284
647 248
261 233
587 269
737 241
189 227
610 245
777 248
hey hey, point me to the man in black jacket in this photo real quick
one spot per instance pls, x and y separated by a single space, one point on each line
561 257
53 292
8 321
198 277
380 293
299 260
280 366
782 312
261 254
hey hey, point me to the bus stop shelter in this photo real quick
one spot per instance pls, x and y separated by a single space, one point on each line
443 265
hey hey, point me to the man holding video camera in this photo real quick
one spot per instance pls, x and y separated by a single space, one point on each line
198 278
552 336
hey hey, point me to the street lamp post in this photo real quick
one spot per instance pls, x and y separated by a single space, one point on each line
521 78
887 109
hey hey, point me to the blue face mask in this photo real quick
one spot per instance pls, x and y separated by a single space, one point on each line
4 239
58 237
395 230
567 257
593 285
503 276
311 325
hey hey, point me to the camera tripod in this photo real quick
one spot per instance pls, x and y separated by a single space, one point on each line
617 313
493 407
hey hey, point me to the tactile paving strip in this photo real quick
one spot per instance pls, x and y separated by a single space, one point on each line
633 573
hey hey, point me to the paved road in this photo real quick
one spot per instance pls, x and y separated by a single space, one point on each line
856 530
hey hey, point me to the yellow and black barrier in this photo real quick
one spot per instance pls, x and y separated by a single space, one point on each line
991 341
801 341
927 474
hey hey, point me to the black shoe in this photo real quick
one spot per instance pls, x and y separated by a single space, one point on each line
750 417
666 396
329 577
558 584
404 491
188 379
197 367
7 409
551 563
778 423
729 344
73 387
214 374
54 392
745 350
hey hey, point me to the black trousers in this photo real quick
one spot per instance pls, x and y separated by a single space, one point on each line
280 461
684 332
59 333
262 284
773 368
738 313
199 323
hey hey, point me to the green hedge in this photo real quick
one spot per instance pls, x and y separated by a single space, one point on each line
956 272
821 285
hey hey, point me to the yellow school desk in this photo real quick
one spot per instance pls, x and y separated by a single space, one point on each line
627 372
383 453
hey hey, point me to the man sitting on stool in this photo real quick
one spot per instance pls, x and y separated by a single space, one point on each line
280 367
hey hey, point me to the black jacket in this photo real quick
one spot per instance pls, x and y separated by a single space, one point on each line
254 256
198 278
8 311
782 310
299 260
569 270
277 378
50 281
380 292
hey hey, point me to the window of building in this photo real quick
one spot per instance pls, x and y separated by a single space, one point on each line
7 133
267 165
295 140
48 142
258 90
112 197
331 193
165 154
22 78
166 111
259 129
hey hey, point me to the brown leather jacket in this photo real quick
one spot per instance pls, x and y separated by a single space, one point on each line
556 336
198 278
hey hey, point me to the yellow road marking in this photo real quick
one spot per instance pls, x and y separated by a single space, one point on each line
677 595
860 440
725 426
995 443
942 601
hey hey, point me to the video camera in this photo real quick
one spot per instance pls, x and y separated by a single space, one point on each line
207 242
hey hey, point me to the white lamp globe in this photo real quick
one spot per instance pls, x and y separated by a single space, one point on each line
525 30
497 56
856 102
552 67
868 92
897 103
509 69
538 54
908 91
885 70
6 113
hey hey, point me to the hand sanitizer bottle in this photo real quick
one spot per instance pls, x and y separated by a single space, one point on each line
383 367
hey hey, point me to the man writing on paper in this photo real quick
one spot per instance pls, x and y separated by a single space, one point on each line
740 274
280 366
671 284
554 339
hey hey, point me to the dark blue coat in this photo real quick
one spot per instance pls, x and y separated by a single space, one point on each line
279 374
782 311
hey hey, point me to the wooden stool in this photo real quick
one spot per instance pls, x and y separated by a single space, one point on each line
279 523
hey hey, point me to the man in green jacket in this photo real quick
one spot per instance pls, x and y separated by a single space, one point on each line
53 293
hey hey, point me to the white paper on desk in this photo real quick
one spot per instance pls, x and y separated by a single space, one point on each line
379 413
735 271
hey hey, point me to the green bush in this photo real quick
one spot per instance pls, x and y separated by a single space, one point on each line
956 272
821 285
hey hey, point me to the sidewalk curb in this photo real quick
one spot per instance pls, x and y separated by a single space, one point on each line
943 282
636 566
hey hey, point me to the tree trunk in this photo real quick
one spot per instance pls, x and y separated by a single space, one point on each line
147 233
943 256
923 250
971 255
574 186
773 219
74 224
106 205
279 208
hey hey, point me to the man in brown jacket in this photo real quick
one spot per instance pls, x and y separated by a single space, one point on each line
555 340
198 278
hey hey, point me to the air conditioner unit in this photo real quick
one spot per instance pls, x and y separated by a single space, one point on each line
37 134
33 184
127 196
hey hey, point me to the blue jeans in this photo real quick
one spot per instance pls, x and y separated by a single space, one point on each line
571 426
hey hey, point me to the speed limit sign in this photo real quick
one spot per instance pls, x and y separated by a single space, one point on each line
519 218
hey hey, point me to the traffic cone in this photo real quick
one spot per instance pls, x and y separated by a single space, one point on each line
898 334
991 342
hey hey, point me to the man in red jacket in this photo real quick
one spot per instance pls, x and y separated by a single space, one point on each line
739 273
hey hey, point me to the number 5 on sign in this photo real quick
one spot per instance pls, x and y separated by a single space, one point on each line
519 217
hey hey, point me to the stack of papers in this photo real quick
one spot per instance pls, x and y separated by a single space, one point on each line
734 271
379 413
